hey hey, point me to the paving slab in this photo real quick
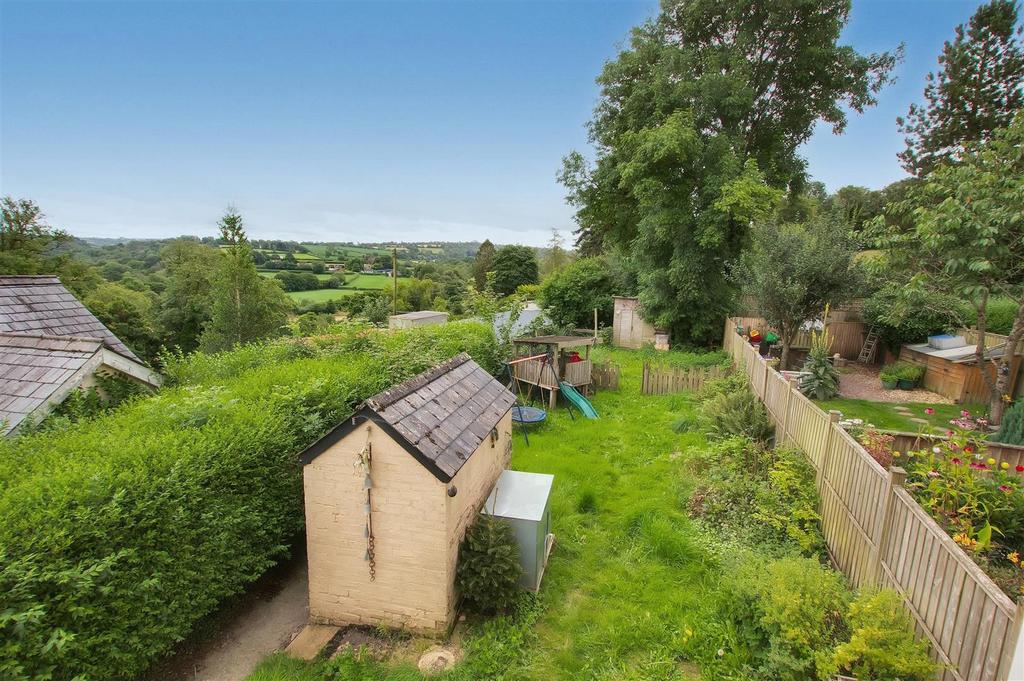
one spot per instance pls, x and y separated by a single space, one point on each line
310 641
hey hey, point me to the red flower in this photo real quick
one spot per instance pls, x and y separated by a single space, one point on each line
929 411
955 461
1005 488
1020 469
968 449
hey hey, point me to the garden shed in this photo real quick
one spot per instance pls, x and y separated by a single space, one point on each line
411 320
629 329
390 492
951 369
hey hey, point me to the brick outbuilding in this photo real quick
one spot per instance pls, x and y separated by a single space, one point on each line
390 492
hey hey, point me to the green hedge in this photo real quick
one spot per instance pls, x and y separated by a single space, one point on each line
118 533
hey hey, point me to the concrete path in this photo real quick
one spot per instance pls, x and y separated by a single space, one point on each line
264 622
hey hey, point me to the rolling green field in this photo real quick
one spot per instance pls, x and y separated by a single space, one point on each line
322 295
376 281
270 274
320 250
298 256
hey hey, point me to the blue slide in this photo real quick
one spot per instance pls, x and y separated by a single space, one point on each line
577 400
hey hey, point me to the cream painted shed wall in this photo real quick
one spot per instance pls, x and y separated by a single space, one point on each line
629 329
417 529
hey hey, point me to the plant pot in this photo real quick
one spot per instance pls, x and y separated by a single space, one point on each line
906 384
890 385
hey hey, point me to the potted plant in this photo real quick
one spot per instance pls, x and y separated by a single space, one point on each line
910 376
889 376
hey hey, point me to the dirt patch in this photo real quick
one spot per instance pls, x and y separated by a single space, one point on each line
364 640
861 382
228 645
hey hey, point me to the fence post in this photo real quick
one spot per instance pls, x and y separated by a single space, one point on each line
1016 652
644 379
897 476
791 384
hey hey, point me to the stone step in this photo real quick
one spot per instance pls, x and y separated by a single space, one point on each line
310 641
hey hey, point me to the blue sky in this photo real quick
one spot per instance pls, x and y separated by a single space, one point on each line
352 121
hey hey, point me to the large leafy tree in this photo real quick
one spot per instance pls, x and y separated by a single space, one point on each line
482 264
513 266
968 238
978 89
27 240
703 89
794 270
191 269
571 294
245 306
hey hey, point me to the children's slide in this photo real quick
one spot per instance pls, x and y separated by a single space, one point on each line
577 400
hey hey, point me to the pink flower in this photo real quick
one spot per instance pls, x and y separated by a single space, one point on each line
929 411
977 465
955 461
1005 488
965 413
949 433
933 474
954 446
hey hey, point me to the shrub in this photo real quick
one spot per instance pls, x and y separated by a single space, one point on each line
882 646
890 373
571 294
908 371
488 572
904 315
119 532
788 502
1011 430
790 612
728 408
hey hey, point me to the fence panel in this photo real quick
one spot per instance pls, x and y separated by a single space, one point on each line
662 380
605 376
877 534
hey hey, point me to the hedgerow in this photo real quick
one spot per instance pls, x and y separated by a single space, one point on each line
119 532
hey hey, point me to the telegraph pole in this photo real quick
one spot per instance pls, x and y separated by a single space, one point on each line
394 275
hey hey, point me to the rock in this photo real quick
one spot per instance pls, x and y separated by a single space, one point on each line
437 660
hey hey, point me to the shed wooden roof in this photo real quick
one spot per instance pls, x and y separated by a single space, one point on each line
440 416
41 305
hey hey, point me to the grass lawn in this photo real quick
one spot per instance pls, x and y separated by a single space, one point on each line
320 250
371 281
884 415
628 576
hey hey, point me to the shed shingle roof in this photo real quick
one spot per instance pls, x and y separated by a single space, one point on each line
33 368
41 305
440 416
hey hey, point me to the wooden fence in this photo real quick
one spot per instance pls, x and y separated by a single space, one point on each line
1013 455
877 534
605 376
847 337
666 380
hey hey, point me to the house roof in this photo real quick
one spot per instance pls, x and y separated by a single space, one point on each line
440 416
36 370
41 305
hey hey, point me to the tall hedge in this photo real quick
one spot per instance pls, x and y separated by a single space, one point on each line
117 534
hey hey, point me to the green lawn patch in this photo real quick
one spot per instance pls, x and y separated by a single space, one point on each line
884 415
270 274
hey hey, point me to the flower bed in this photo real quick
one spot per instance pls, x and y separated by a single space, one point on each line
978 500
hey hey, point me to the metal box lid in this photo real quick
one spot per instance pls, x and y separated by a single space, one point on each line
522 496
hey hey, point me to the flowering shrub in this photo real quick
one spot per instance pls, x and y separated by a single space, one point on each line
973 497
879 446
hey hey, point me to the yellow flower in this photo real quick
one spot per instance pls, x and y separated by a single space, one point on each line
991 461
1014 557
1004 465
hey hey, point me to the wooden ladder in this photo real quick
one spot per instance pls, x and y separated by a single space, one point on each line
867 351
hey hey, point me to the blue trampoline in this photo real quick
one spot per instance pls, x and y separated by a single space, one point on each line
527 415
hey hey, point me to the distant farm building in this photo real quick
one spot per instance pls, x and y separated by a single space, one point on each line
51 345
412 320
390 492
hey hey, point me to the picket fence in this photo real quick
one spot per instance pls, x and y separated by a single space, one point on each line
666 380
605 376
877 534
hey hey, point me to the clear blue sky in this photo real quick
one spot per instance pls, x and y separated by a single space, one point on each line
352 121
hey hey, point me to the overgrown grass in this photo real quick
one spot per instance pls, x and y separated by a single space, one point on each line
629 574
883 415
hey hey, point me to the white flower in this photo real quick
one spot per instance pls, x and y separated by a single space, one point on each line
937 450
721 653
